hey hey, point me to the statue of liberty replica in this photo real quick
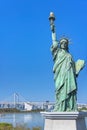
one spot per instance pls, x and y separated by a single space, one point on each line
65 72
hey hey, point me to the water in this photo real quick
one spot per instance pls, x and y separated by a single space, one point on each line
33 119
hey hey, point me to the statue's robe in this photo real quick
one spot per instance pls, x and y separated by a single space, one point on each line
65 80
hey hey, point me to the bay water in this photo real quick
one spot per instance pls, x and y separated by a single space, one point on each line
31 119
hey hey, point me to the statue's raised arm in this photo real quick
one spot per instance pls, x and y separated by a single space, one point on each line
54 46
52 26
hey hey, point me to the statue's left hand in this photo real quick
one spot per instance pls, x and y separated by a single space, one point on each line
79 65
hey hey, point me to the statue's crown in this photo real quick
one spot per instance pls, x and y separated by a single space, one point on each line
64 39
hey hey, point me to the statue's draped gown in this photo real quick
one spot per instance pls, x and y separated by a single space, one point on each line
65 80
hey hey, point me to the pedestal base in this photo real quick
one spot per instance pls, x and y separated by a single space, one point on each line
65 120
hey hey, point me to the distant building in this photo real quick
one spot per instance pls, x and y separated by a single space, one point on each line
82 105
28 106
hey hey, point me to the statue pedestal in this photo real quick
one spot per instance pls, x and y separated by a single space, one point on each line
65 120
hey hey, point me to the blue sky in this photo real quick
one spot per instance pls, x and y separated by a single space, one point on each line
25 40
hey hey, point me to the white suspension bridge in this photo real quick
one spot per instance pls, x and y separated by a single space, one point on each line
19 102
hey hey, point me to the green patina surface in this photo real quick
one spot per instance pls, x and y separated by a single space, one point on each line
65 73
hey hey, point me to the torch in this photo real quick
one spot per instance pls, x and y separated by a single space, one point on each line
52 19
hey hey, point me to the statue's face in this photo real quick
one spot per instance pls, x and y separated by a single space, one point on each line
64 45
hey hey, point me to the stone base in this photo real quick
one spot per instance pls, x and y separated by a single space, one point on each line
65 120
